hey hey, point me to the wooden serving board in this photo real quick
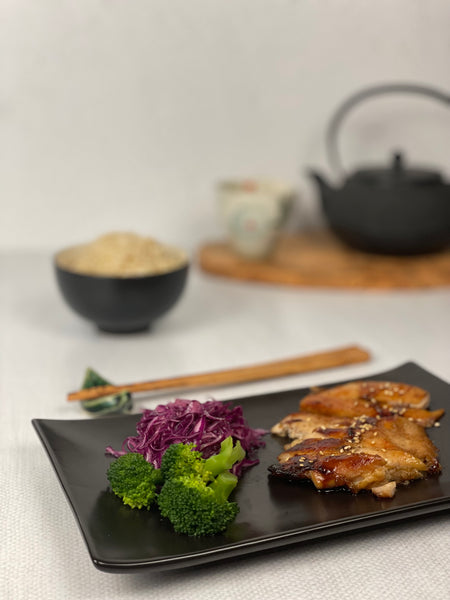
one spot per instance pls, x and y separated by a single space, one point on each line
318 259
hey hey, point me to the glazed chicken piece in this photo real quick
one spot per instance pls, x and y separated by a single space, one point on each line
372 398
302 425
374 451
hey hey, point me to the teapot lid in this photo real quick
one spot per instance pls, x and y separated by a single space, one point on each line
396 174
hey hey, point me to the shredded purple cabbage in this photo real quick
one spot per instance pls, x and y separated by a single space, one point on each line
190 421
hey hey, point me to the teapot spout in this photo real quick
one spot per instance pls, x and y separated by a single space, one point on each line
323 185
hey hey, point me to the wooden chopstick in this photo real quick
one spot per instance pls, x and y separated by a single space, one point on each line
291 366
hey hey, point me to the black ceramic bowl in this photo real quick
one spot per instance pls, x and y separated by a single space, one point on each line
121 304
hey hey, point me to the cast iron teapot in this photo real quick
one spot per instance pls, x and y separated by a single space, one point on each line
393 209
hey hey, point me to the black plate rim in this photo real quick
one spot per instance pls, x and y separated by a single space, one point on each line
280 540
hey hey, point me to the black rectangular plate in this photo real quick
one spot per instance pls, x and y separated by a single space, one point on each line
273 513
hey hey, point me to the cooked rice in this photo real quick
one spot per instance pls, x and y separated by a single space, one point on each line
122 254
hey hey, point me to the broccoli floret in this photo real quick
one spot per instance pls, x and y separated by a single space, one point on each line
196 508
194 496
181 459
134 480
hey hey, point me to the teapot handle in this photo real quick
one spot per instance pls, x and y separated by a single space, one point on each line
341 112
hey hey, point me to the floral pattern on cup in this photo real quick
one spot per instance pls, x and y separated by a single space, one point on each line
253 212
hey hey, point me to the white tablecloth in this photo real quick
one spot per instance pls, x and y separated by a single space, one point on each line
219 323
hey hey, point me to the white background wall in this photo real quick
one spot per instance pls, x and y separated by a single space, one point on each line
122 114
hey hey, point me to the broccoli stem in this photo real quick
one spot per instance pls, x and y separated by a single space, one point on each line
223 485
226 458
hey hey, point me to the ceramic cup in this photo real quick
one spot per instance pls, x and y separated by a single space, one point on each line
253 212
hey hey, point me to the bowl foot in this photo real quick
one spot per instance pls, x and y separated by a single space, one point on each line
135 328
